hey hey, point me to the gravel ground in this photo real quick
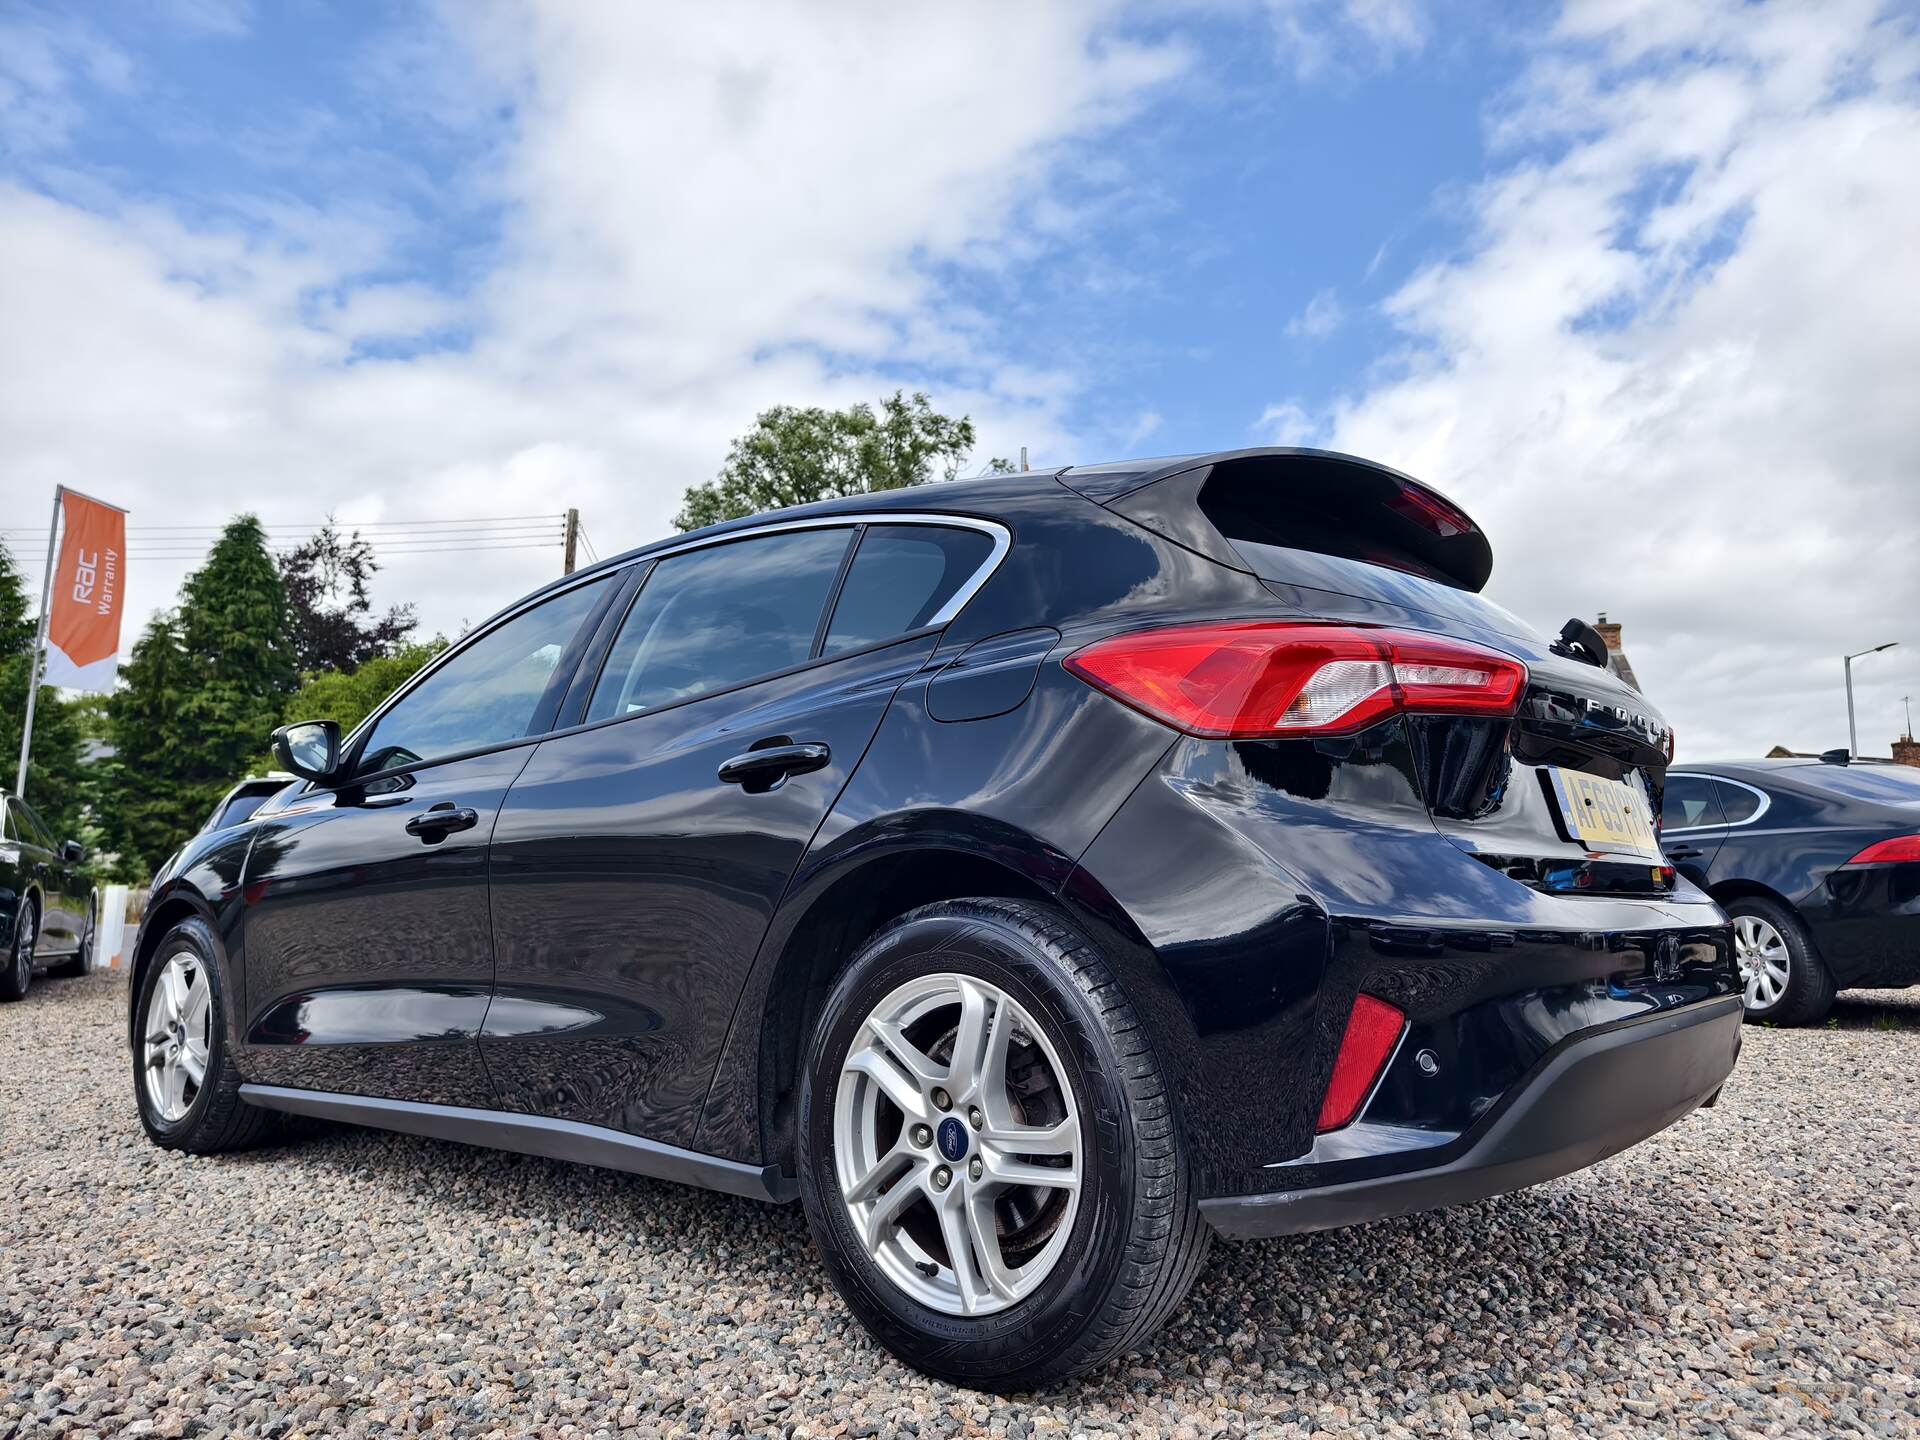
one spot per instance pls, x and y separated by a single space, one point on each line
1750 1272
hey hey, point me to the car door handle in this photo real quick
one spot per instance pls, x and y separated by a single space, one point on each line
758 771
1684 852
441 821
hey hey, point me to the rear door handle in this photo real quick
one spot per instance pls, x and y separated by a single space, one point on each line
441 821
1683 852
758 771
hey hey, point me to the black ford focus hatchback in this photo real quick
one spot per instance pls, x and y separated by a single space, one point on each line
1032 875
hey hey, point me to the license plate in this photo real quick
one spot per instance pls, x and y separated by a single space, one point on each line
1603 814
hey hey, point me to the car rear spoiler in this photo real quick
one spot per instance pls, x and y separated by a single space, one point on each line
1315 500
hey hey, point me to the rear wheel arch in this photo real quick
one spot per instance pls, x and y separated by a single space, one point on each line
851 908
1727 891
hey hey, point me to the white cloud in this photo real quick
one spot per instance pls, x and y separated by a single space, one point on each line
1673 374
1320 319
707 211
1316 37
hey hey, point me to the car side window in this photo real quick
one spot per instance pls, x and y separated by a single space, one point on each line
713 618
487 694
1736 802
900 578
1689 803
37 827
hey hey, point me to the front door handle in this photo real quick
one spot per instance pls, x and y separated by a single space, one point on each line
758 771
441 821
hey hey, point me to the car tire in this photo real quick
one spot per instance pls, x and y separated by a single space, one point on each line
1075 1068
77 966
209 1115
17 974
1768 935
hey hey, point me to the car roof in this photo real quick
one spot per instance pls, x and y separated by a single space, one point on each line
984 496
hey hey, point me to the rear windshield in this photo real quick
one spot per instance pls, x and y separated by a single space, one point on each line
1888 784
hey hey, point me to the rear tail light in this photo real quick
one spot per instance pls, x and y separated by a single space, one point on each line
1261 681
1901 850
1373 1029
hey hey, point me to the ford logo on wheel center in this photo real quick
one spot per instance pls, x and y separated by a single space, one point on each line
952 1136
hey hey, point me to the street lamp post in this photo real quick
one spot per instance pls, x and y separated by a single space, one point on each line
1853 735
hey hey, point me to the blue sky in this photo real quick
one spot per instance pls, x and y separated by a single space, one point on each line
1615 274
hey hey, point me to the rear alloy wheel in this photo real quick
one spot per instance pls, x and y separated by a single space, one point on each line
948 1158
1783 981
963 1204
18 974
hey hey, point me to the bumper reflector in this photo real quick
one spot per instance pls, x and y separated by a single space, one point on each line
1373 1029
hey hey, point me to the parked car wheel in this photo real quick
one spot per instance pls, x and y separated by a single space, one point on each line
183 1082
987 1158
1784 979
69 969
19 972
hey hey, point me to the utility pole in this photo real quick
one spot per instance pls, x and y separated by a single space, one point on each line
571 542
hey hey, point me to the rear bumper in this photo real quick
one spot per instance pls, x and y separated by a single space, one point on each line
1592 1096
1866 924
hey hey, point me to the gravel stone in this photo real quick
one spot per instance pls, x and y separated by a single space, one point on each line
1752 1272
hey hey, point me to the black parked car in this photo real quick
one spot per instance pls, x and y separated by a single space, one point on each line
1033 875
46 900
1817 862
243 799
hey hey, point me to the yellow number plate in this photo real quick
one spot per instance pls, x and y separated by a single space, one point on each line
1603 814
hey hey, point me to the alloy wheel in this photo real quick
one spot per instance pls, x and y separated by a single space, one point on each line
1764 961
958 1146
178 1029
25 934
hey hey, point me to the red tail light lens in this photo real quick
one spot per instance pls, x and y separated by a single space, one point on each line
1373 1029
1265 681
1901 850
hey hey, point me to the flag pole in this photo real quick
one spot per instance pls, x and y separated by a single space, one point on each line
39 646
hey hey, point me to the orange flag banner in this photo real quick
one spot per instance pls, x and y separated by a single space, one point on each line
85 596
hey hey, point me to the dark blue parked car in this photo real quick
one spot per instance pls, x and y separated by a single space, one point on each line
1033 875
1818 863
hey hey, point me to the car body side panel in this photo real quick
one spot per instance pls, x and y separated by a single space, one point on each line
1025 790
631 888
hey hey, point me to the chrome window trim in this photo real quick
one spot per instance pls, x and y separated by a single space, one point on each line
1002 542
1766 801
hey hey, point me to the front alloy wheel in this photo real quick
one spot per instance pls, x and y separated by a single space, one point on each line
18 974
177 1036
957 1145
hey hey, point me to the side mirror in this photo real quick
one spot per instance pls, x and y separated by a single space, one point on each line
309 749
73 852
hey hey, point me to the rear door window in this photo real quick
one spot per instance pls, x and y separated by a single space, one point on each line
1689 804
901 578
718 617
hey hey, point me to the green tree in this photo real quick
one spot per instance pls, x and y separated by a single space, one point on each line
793 456
201 691
57 774
350 698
